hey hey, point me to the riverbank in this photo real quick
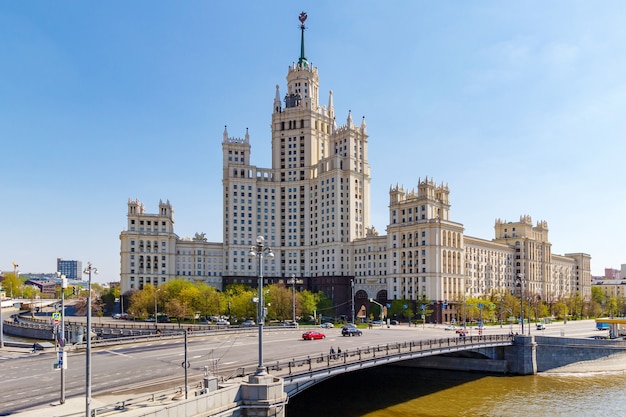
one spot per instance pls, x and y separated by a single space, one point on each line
611 364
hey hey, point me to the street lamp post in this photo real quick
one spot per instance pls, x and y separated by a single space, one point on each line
382 313
16 274
259 251
62 354
156 315
90 270
352 299
467 287
293 281
520 283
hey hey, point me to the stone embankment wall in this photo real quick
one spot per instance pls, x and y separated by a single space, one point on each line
580 355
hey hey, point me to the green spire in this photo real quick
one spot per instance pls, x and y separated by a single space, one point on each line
302 61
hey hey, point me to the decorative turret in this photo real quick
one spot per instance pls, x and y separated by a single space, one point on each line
166 210
277 106
135 207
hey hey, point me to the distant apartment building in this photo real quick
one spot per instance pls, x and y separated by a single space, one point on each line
151 253
611 287
312 206
72 270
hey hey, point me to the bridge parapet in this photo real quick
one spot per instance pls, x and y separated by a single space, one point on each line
300 373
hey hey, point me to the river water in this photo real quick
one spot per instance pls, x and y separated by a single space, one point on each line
389 391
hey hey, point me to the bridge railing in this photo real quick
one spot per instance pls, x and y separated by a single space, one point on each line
327 361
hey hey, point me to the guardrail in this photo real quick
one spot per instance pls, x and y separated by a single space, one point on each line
311 364
120 333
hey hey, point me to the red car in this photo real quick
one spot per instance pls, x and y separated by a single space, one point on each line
312 335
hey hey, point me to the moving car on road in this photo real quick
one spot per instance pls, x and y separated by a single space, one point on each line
312 335
351 331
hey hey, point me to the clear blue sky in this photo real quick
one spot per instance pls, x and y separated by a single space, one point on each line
518 106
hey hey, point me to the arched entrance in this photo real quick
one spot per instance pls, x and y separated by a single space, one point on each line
361 302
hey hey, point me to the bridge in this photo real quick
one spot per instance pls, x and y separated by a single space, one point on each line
233 395
302 373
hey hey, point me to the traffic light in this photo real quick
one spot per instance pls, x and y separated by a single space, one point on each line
74 290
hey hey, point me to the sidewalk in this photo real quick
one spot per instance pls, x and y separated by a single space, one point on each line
106 405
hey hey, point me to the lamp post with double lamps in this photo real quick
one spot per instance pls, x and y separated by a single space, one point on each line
62 360
156 315
520 283
259 251
352 299
293 281
90 270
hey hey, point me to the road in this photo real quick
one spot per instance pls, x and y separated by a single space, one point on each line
28 380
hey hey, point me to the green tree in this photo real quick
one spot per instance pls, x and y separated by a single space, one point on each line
324 305
279 300
560 309
242 305
424 307
12 284
613 306
210 300
141 302
597 295
308 302
176 308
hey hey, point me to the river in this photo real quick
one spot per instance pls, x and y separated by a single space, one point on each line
387 391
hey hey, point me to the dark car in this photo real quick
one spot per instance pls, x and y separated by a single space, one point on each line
351 331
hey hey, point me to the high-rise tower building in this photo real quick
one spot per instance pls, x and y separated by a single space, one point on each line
312 206
313 201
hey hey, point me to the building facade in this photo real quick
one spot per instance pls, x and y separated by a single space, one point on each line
312 206
151 253
71 269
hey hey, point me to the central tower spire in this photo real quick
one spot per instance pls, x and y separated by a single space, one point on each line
302 61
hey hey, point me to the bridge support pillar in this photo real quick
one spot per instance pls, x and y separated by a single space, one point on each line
522 356
263 396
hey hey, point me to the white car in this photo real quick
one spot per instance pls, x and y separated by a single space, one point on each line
541 326
327 326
